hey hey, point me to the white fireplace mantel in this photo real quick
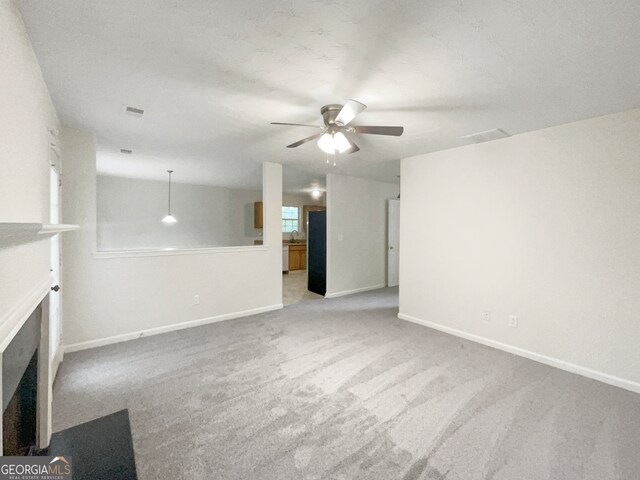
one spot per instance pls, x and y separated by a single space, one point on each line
12 234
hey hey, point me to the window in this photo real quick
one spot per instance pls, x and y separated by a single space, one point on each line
290 219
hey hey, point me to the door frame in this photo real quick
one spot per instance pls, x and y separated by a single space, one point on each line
393 242
55 212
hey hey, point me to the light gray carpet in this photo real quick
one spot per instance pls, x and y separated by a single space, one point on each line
342 389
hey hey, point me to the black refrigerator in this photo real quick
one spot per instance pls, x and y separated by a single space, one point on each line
317 253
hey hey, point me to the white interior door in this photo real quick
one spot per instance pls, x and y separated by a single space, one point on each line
55 329
393 247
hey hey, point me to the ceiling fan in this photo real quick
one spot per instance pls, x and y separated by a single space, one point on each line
334 137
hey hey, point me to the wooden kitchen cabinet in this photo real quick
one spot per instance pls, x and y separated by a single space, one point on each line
297 256
257 214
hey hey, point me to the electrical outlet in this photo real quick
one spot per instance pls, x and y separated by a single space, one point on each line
486 316
513 321
196 299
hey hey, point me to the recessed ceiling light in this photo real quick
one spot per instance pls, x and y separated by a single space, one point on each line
126 151
316 194
136 112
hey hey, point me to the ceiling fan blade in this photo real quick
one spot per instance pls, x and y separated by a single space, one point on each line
349 111
304 140
296 124
371 130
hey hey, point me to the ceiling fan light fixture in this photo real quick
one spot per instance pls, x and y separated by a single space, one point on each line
326 144
333 142
341 143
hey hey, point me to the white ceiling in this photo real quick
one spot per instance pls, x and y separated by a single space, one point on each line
212 75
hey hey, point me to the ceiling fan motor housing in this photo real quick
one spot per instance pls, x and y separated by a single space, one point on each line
329 113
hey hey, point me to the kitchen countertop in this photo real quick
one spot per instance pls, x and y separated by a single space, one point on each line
284 242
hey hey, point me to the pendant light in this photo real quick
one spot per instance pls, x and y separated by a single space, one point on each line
169 219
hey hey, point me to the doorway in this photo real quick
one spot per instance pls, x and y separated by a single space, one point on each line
393 243
296 254
302 193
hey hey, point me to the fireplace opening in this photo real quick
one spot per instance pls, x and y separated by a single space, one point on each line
19 418
20 389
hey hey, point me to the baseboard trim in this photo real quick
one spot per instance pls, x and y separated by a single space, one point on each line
355 290
553 362
101 342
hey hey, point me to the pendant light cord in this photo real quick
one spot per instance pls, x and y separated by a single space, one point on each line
170 172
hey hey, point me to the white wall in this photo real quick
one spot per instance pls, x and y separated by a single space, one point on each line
543 225
112 299
130 212
356 233
26 115
299 200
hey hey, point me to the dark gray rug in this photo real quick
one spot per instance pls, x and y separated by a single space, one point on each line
100 449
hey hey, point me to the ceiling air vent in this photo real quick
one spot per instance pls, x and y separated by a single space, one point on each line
487 136
126 151
136 112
